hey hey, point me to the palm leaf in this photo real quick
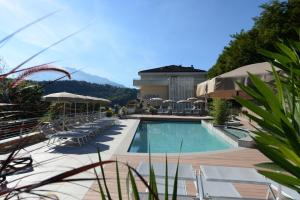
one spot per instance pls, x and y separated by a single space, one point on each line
133 186
5 39
35 70
118 182
99 185
103 176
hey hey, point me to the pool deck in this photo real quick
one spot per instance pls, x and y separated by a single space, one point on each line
51 160
239 157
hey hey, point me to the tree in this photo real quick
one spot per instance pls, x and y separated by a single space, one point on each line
277 20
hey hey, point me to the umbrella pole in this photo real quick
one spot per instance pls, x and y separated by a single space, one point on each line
205 103
100 110
75 109
87 109
64 116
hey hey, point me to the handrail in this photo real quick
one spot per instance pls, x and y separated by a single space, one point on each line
14 128
21 127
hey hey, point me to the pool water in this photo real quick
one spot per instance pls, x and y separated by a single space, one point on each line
166 137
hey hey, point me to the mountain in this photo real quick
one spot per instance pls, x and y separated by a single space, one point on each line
118 95
79 76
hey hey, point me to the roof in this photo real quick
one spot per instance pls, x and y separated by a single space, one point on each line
172 69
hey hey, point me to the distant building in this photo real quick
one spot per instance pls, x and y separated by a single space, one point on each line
170 82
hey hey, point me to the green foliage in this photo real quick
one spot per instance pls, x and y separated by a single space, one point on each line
109 113
220 111
152 110
278 117
27 98
117 95
278 19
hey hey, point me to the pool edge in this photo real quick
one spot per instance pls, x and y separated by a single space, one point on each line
126 142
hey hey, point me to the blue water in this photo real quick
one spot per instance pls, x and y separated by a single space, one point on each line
166 137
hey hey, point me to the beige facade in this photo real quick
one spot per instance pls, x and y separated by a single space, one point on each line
170 82
149 91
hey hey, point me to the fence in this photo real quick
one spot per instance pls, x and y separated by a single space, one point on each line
10 129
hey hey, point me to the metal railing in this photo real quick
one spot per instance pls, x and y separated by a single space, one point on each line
9 129
14 128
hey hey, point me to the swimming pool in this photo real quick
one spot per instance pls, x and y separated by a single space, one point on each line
166 137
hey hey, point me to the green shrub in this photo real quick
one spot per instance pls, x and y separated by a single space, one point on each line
109 113
152 110
220 111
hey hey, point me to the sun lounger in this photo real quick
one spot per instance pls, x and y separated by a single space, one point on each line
91 130
144 196
233 174
283 191
216 190
160 183
185 171
221 174
181 187
79 137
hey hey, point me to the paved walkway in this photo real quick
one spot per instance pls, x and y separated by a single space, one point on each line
52 160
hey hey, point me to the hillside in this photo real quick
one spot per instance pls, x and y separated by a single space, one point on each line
117 95
79 75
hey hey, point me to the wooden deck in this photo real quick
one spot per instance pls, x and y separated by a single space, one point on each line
240 158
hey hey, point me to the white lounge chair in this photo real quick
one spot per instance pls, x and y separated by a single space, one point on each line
185 172
216 190
248 176
283 191
160 183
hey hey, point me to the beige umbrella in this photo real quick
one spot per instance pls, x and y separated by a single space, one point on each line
96 100
225 85
199 101
64 97
7 104
156 101
183 101
168 101
192 99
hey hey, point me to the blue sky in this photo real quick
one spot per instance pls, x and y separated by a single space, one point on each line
124 36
